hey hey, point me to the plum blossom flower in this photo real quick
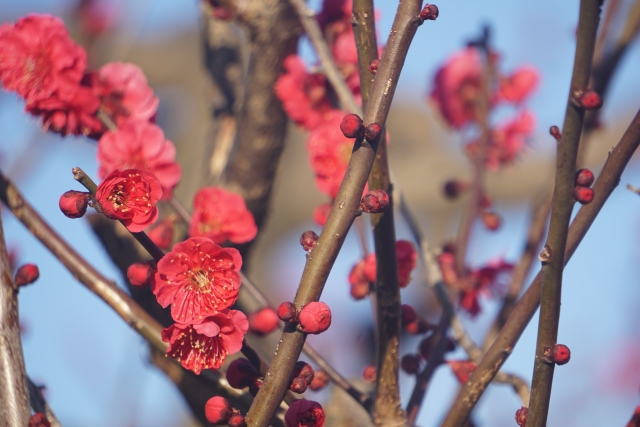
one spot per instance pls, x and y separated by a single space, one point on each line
304 413
205 343
130 196
490 279
162 233
462 369
519 85
221 215
140 145
197 278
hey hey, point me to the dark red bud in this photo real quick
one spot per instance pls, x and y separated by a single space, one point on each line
375 201
320 380
521 416
425 347
369 373
26 275
254 387
429 12
39 420
372 131
584 178
590 100
298 385
263 321
555 132
352 126
558 354
287 312
73 204
418 327
410 363
237 420
303 370
491 220
583 195
308 240
141 273
218 410
408 314
241 373
373 66
453 189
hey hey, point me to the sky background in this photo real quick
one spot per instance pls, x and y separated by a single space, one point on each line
96 368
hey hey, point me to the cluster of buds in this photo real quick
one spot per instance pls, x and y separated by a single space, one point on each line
412 323
263 321
558 354
375 201
302 377
587 99
583 191
314 318
521 416
219 412
39 420
308 240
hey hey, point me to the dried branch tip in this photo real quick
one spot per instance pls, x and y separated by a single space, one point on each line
545 254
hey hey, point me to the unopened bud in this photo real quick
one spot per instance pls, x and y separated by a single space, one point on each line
583 195
352 126
315 318
584 178
521 416
237 420
462 369
372 131
39 420
558 354
375 201
410 363
26 275
287 312
429 12
360 290
418 327
141 273
303 370
590 100
369 373
241 373
373 66
73 204
545 254
308 240
408 314
218 410
555 132
320 380
254 387
298 385
263 321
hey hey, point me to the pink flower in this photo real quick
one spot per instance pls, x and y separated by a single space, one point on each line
457 86
264 321
303 95
462 369
221 215
140 145
321 213
206 343
162 233
130 196
365 270
126 96
38 59
197 278
304 413
519 85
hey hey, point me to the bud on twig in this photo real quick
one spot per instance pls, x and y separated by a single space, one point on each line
352 126
308 240
587 99
521 416
372 131
410 363
287 312
373 66
315 318
218 410
263 321
583 195
237 420
558 354
545 254
26 275
584 178
73 204
141 274
430 12
320 381
555 132
375 201
369 373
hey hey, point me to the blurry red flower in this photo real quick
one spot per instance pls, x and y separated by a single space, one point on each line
304 413
162 233
360 285
462 369
263 321
320 380
407 258
95 16
141 273
635 419
221 215
519 85
321 213
130 196
206 343
490 279
198 278
140 145
369 373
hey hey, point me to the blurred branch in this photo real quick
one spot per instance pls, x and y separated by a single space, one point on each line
39 404
506 340
14 404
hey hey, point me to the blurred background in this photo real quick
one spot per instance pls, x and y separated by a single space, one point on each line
96 369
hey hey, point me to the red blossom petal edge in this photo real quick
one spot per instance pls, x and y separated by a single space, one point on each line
304 413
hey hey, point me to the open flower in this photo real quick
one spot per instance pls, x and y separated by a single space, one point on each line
519 85
304 413
206 343
197 278
221 215
130 196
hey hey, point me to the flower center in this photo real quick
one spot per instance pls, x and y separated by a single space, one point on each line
117 198
200 278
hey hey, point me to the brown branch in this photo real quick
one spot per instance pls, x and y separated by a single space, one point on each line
14 404
498 353
39 404
563 201
342 213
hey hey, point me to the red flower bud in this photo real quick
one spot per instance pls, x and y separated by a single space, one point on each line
583 195
521 416
162 233
303 370
360 290
584 178
352 126
491 220
308 240
558 354
141 273
462 369
320 380
73 204
237 420
373 66
452 189
26 275
372 131
287 312
254 387
555 132
410 363
241 373
263 321
590 100
298 385
218 410
419 326
408 314
39 420
315 318
429 12
305 413
369 373
375 201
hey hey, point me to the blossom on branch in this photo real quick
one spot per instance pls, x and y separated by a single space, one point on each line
221 215
205 343
197 278
519 85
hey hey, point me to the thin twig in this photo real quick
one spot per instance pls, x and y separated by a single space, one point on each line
39 404
521 315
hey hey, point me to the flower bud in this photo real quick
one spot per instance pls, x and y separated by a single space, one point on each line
369 373
304 412
462 369
491 220
73 204
584 178
320 380
521 416
352 126
583 195
315 318
141 273
558 354
162 233
452 189
287 312
373 66
39 420
418 327
555 132
308 240
410 363
590 100
375 201
254 387
430 12
218 410
360 290
241 373
408 314
237 420
372 131
298 385
263 321
321 214
26 275
303 370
